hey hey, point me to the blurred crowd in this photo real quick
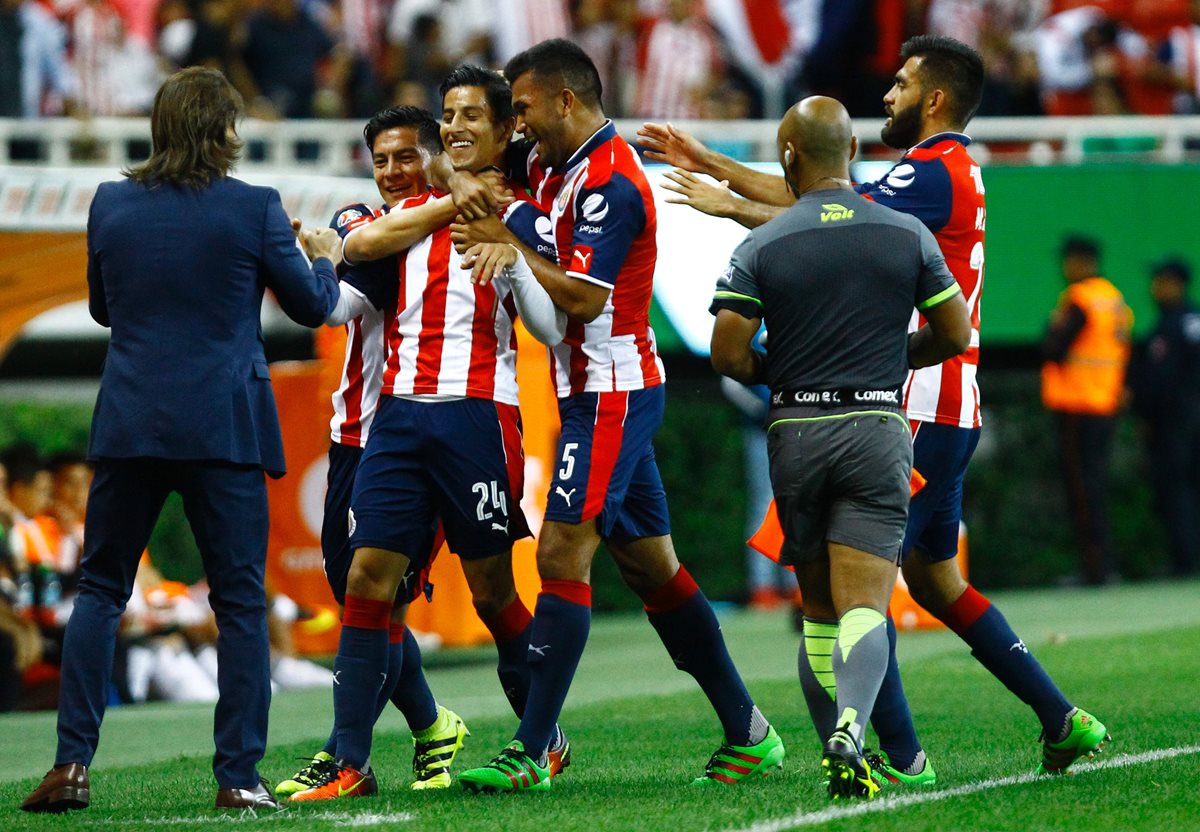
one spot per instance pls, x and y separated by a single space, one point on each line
167 643
659 59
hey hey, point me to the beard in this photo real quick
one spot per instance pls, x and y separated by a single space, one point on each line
905 129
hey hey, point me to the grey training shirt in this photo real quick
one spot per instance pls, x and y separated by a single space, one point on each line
836 278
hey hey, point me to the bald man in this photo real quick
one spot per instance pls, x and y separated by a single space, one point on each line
836 279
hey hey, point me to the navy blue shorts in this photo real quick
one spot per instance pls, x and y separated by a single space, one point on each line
605 464
941 454
335 530
458 460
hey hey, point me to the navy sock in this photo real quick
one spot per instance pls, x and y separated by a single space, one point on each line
359 672
556 641
891 718
411 694
994 644
689 630
510 629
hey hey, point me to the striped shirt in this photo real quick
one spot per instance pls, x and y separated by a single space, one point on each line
678 59
445 336
602 230
939 183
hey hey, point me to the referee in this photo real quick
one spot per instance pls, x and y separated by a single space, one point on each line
836 278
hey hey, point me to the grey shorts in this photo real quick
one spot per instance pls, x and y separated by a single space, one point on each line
840 478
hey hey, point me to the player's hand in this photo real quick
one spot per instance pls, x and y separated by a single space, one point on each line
487 261
487 230
322 242
478 196
671 146
714 200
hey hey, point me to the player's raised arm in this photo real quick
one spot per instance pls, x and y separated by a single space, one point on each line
717 200
668 144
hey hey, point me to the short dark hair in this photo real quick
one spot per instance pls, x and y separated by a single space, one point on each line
559 62
23 462
65 459
495 88
951 65
189 130
1176 267
1077 245
418 118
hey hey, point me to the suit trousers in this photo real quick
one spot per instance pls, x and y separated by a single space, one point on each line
226 507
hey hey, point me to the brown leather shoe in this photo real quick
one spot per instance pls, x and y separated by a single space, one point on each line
63 788
259 797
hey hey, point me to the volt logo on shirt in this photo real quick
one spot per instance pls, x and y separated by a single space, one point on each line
835 213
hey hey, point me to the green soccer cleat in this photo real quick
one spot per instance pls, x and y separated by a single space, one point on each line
1086 737
847 773
307 777
433 755
558 755
512 770
731 764
886 774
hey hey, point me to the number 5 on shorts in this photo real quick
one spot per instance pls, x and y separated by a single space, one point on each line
568 460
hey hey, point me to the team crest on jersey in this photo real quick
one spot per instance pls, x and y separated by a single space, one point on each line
901 176
595 208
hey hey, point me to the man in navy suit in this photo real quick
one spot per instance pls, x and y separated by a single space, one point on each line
179 255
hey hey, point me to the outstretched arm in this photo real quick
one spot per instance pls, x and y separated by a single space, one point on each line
668 144
717 200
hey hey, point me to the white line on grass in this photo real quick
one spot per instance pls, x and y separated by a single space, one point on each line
363 819
902 801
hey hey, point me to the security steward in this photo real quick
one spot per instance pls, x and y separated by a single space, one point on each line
1086 350
836 278
1165 380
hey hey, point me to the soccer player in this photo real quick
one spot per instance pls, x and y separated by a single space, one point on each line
445 441
610 391
837 287
402 141
934 95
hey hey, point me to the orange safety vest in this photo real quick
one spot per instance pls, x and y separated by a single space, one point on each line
1090 378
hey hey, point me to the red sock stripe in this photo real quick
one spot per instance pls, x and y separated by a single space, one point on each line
510 622
395 632
965 611
367 614
671 595
606 447
577 592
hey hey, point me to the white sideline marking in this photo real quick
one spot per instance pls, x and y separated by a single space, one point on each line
363 819
903 801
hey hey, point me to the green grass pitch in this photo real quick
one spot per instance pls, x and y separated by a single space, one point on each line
641 731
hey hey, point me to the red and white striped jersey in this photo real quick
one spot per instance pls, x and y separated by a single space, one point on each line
603 225
940 184
357 395
523 23
676 62
445 336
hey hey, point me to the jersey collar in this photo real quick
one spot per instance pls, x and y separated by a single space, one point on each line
606 133
949 135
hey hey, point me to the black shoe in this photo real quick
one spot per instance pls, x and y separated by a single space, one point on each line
849 775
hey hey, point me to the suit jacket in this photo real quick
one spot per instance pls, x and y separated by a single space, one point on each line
179 274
